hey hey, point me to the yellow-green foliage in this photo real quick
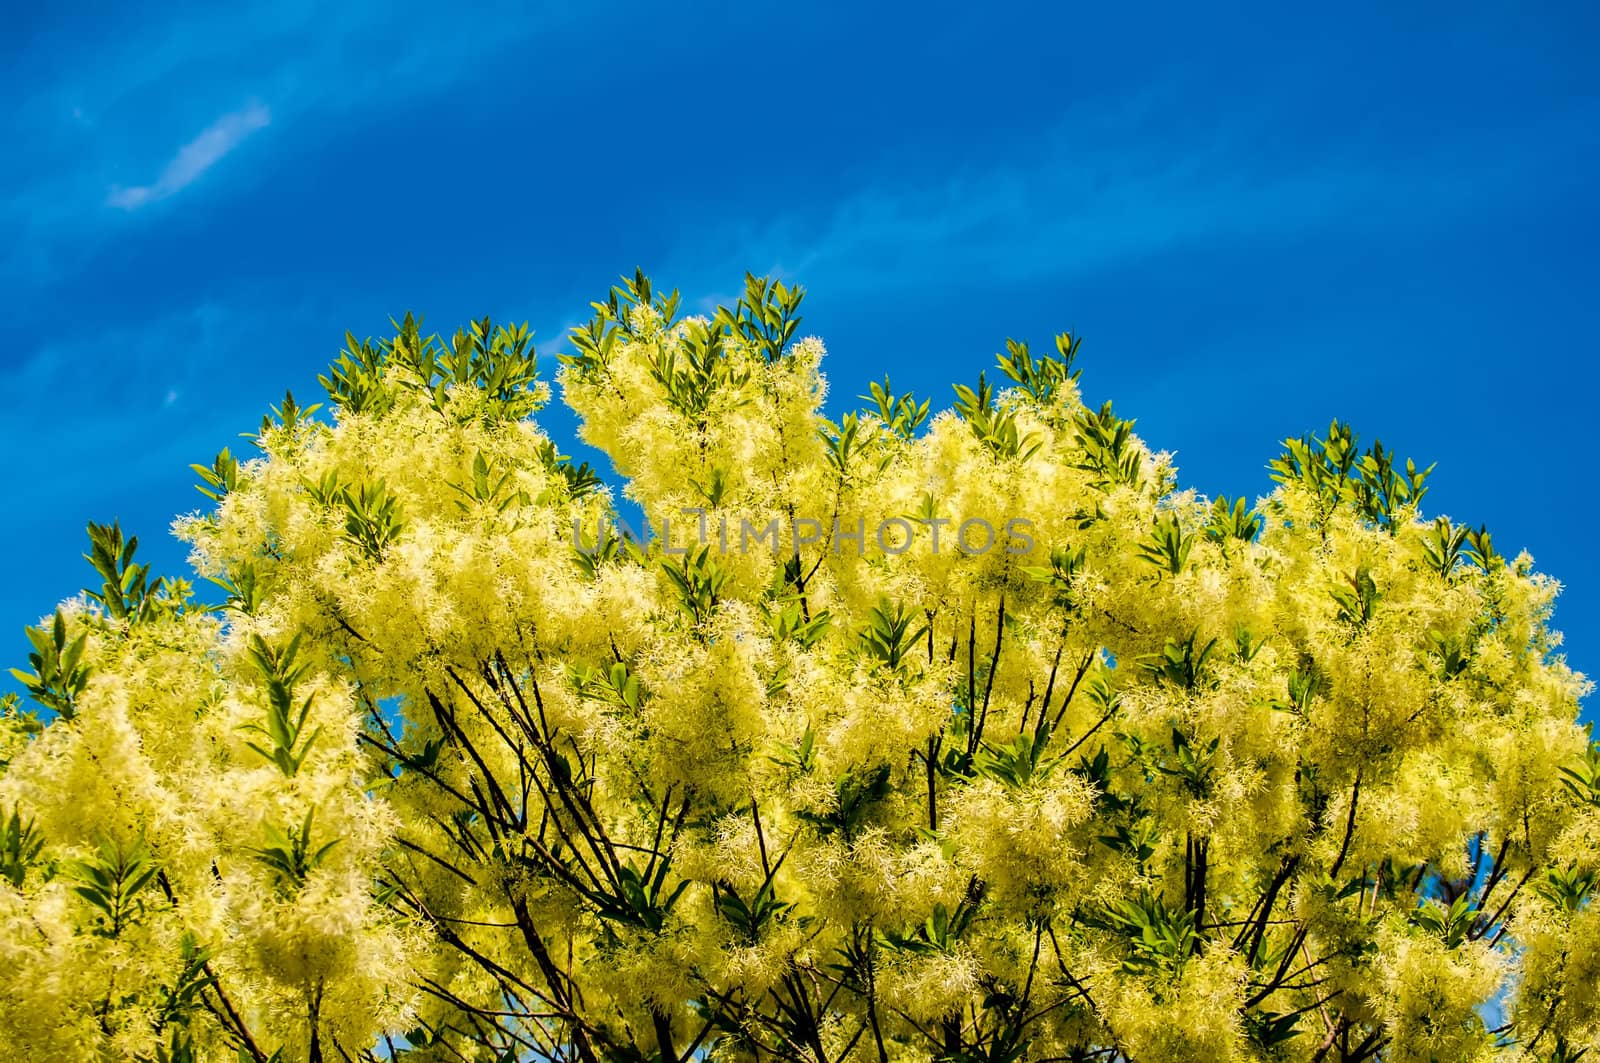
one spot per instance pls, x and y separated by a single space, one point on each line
459 773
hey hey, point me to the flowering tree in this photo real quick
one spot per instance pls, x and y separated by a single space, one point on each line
971 738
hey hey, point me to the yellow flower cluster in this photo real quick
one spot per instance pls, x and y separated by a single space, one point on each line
962 737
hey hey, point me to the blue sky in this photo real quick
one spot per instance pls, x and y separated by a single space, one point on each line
1260 218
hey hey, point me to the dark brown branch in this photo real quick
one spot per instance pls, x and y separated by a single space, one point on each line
1066 702
1349 825
994 666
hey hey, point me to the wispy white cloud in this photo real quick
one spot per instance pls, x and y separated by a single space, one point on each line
82 123
1105 190
1059 217
218 140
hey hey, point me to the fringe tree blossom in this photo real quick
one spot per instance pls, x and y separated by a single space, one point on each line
963 735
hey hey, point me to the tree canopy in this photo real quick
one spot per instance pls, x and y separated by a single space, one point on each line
965 737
